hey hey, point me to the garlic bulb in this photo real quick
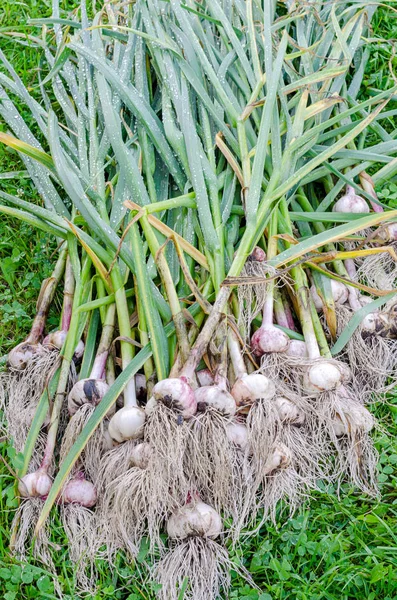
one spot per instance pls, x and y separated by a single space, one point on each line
322 376
19 356
176 394
250 388
195 518
35 485
237 433
57 339
351 203
86 391
79 491
340 294
297 348
205 377
127 424
288 411
279 458
354 418
217 398
141 454
269 338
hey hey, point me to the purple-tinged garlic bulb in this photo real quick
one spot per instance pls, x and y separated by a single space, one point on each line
269 338
35 485
257 254
79 491
176 394
195 518
351 203
388 233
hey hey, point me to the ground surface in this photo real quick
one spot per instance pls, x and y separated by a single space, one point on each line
337 549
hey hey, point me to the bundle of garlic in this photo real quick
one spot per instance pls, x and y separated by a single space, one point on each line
219 336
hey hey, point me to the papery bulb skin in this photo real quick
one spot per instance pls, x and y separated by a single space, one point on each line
237 433
351 203
269 338
288 411
250 388
322 376
340 294
127 424
35 485
141 455
195 518
141 387
280 458
257 254
371 324
108 443
57 339
79 491
356 418
297 349
388 233
205 377
19 356
215 397
177 395
86 391
364 300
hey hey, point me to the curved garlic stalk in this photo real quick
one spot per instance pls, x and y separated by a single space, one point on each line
57 339
21 355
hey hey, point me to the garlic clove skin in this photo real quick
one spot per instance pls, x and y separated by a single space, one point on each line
195 518
237 434
269 338
279 458
127 424
297 349
141 455
205 377
288 411
340 294
322 376
389 233
250 388
79 491
19 356
215 397
57 339
351 203
35 485
356 418
86 391
177 395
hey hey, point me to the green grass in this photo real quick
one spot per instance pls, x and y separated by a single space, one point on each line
340 549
